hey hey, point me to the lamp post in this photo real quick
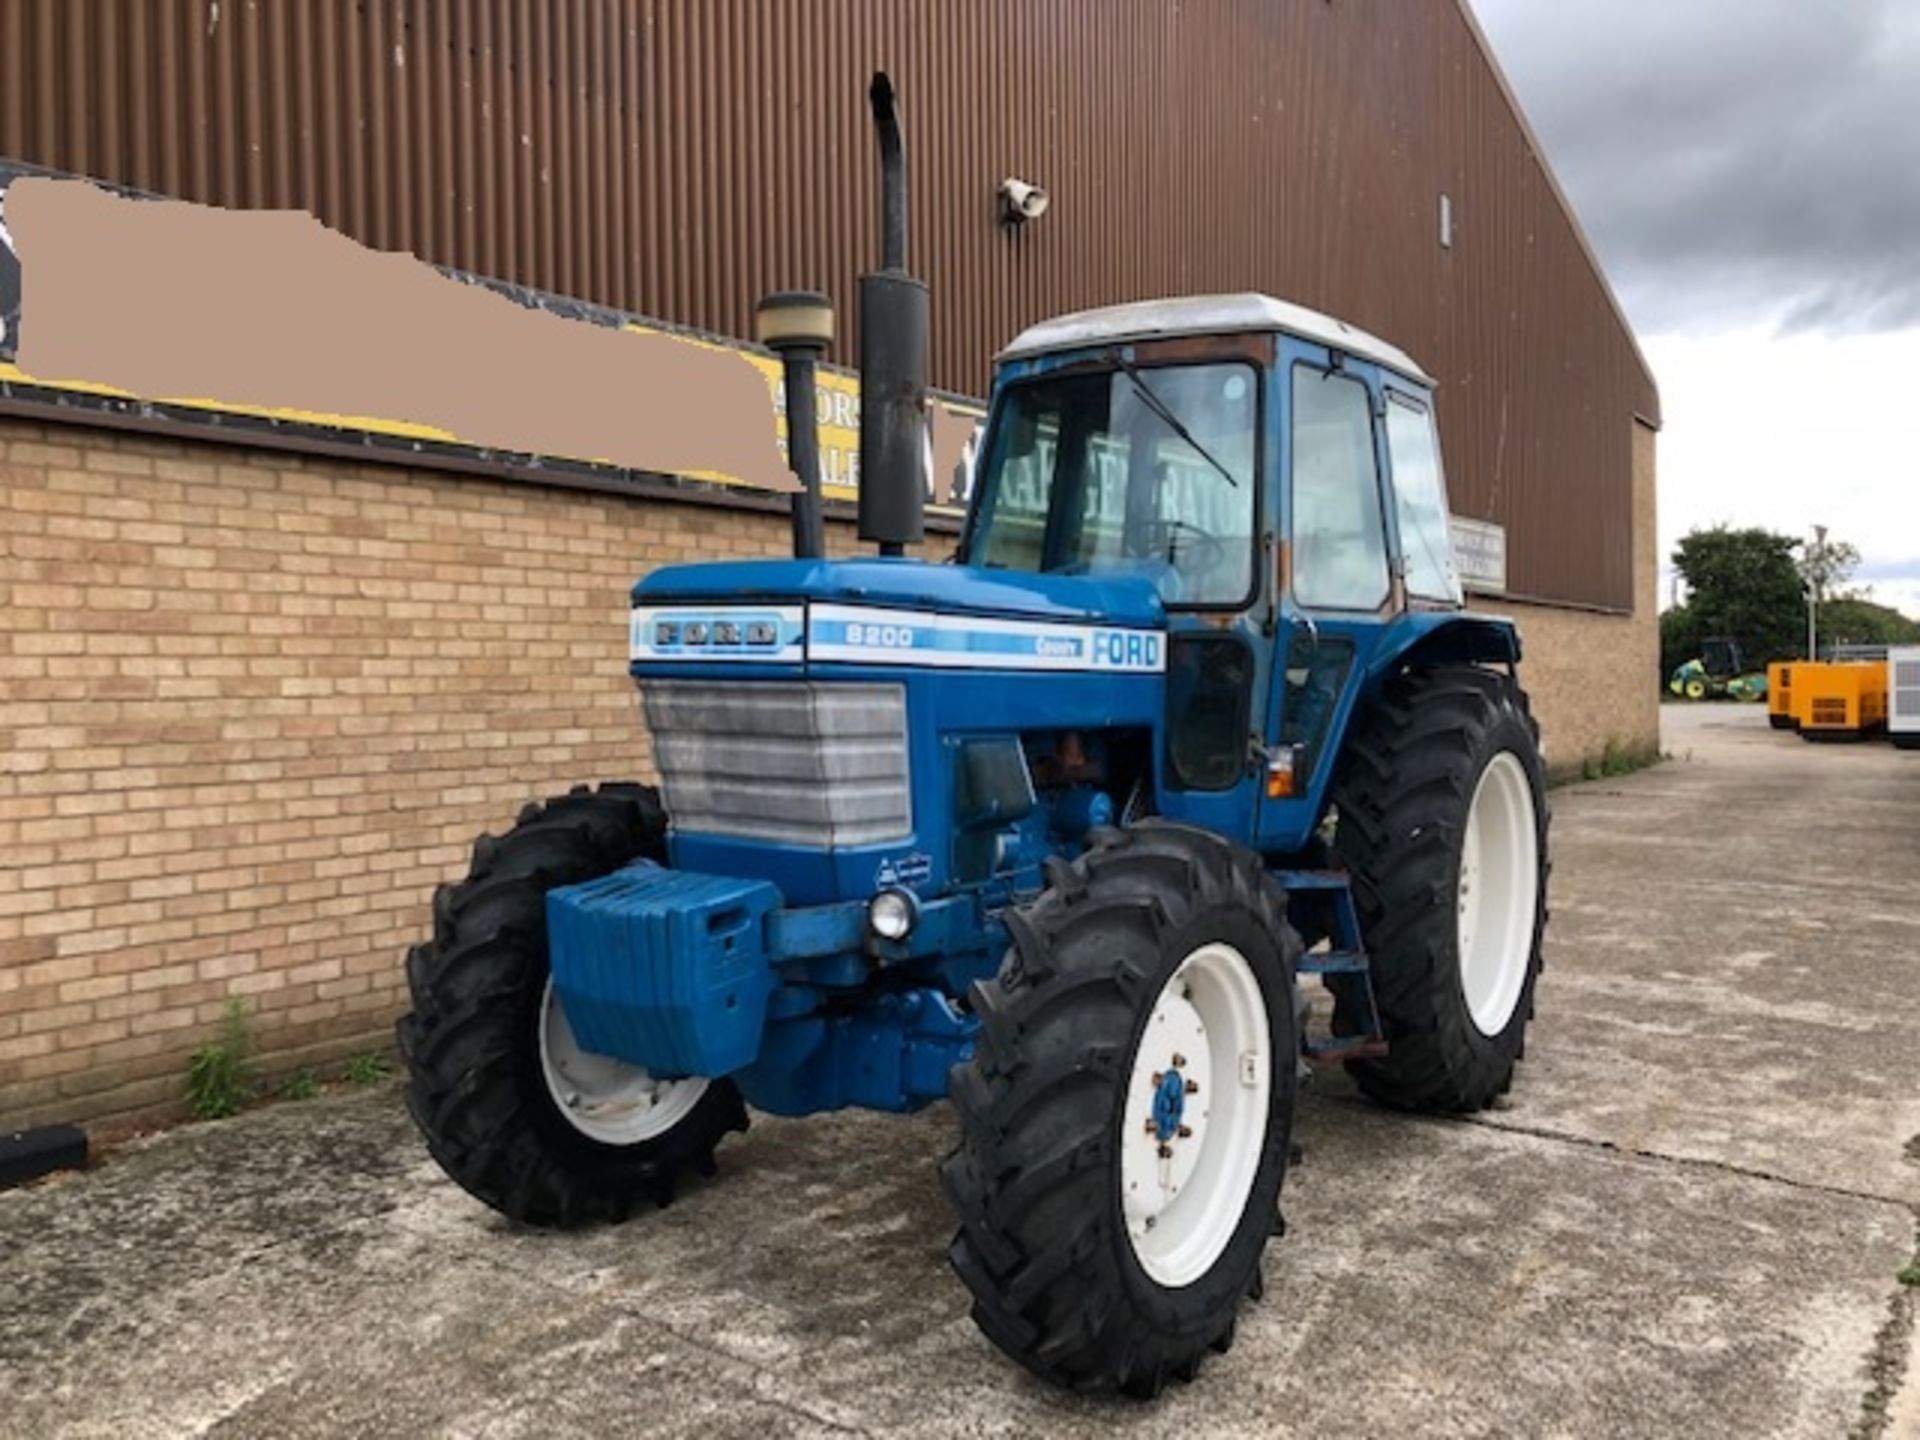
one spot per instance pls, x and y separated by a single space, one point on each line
797 325
1816 569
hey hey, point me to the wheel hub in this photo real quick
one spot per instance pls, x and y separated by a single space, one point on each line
1170 1102
604 1098
1195 1115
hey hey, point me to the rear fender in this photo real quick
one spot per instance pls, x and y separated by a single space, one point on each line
1449 638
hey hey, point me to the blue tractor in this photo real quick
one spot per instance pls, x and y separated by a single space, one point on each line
1056 830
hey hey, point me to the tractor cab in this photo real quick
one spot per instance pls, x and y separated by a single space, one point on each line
1275 476
1204 531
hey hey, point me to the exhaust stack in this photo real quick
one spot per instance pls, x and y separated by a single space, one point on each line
893 358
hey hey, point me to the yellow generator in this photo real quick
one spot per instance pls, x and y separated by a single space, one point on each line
1780 695
1840 700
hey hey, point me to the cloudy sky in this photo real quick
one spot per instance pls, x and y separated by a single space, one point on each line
1749 171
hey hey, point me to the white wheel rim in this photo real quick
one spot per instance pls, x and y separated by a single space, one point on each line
1184 1187
603 1098
1498 893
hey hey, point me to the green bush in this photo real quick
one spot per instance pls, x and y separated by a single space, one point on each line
301 1085
218 1082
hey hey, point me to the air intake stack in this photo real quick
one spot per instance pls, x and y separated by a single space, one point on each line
893 359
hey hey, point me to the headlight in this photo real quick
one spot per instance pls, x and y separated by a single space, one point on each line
891 914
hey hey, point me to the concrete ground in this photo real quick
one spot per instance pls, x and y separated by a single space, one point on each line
1687 1222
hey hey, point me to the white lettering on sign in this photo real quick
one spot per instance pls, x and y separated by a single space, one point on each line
887 637
873 636
1480 554
1127 649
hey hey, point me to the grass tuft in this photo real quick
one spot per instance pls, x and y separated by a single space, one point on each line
218 1079
367 1069
1618 758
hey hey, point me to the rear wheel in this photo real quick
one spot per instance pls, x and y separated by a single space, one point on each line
1442 822
509 1103
1125 1118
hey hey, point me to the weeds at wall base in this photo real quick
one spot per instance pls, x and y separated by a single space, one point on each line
218 1078
367 1069
1621 758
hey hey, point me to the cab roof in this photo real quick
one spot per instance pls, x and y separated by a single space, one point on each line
1207 315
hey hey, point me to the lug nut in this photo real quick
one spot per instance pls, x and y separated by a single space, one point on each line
1179 1061
1157 1078
1152 1128
1185 1132
1166 1152
1193 1087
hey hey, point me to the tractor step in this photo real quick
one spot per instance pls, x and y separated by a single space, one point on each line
1334 962
1338 1049
1326 909
1298 880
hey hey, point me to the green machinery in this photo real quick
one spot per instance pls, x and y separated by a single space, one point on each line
1717 674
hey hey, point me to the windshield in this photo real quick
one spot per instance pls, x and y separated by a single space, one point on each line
1089 474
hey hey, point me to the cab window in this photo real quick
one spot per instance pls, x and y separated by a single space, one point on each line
1339 536
1017 503
1420 500
1148 472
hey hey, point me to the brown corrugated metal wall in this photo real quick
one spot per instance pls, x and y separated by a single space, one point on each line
678 158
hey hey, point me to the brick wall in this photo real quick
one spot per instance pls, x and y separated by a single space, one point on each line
1593 678
253 707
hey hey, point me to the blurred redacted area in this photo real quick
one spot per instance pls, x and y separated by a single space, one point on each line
169 300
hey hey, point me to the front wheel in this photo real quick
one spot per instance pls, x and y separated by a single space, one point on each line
510 1105
1442 822
1125 1118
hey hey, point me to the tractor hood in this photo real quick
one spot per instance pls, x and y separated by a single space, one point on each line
817 709
916 585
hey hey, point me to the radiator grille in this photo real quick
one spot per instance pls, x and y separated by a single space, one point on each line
1829 712
793 763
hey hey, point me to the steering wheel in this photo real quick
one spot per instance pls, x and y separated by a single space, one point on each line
1189 549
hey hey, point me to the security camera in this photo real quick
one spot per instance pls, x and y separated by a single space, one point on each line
1021 202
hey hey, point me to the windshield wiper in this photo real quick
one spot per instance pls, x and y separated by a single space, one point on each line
1168 418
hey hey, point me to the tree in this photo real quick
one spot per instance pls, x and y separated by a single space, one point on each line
1740 583
1856 620
1825 564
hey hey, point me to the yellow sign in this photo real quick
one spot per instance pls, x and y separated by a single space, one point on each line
837 410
